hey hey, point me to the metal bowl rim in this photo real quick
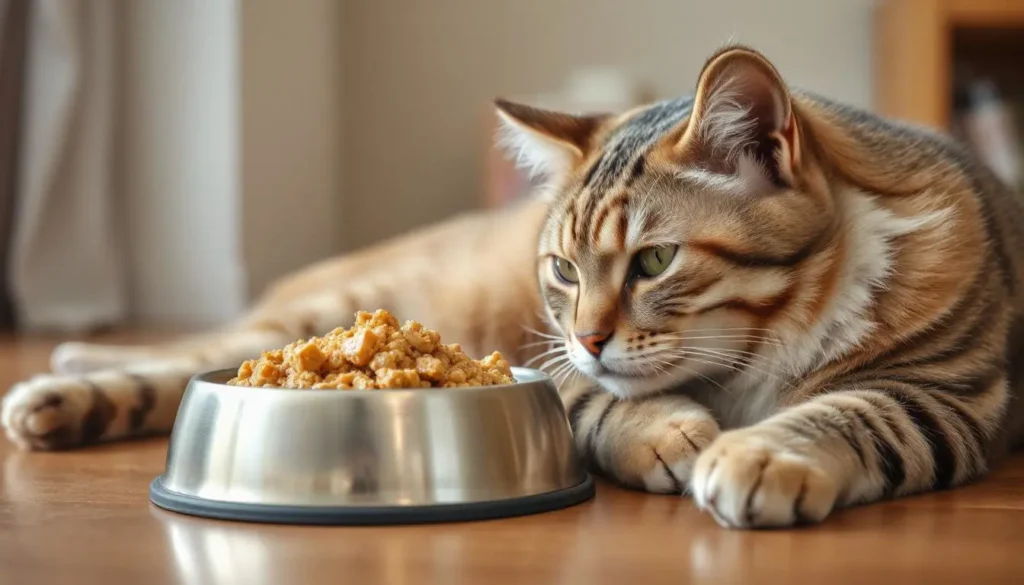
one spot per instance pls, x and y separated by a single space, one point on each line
379 514
532 376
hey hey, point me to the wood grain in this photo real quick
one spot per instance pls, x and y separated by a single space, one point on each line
912 62
985 13
914 52
83 517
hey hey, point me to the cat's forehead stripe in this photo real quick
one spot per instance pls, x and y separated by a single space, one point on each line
609 229
567 228
623 155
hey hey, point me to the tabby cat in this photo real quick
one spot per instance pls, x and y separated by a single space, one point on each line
774 302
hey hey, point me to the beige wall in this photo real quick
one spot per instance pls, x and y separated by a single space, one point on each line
419 77
292 204
232 163
179 126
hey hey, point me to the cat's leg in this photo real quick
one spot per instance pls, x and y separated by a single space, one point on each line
94 385
137 397
58 411
76 358
649 444
266 327
483 310
845 447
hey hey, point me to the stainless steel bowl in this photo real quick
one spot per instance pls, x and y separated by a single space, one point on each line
370 457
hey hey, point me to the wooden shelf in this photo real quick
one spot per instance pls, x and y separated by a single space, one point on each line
920 43
985 13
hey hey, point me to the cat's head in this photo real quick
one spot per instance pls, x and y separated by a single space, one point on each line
677 233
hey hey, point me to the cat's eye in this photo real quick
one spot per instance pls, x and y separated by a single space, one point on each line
566 271
651 262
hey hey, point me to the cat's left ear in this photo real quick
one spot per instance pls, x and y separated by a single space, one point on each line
742 121
547 143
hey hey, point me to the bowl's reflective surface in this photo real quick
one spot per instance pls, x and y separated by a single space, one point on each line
370 448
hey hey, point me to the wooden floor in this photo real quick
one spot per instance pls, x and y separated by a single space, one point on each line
83 517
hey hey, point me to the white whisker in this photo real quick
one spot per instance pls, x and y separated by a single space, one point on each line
733 337
693 371
733 353
536 343
540 333
571 376
564 374
555 360
539 357
733 362
724 362
560 372
723 329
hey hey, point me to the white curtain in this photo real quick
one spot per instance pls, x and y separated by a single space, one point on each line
176 156
66 271
128 197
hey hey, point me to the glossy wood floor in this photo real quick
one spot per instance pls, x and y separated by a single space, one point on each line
83 517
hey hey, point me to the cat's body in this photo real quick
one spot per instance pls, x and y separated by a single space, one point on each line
102 393
841 294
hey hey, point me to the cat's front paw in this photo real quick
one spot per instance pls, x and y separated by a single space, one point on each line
54 412
660 458
746 479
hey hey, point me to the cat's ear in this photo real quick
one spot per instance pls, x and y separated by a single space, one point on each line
546 143
742 121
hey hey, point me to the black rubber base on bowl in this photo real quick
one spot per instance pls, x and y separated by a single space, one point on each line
368 516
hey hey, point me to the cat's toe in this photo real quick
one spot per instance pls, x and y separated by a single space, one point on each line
49 412
744 482
674 446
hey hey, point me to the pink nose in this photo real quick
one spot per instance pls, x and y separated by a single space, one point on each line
594 341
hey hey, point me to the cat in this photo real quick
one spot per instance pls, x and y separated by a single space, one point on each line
773 302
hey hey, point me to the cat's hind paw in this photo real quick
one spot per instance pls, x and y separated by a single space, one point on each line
55 412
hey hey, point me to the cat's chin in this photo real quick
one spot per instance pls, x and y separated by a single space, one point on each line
627 386
630 386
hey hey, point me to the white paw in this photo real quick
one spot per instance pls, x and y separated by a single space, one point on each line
745 480
54 412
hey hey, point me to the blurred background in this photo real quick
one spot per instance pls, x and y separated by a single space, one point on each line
162 161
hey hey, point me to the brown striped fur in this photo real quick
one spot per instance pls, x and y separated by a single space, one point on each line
471 278
844 299
840 323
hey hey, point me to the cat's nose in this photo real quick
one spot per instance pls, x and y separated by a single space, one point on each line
594 341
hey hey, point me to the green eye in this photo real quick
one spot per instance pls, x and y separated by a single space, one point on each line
653 261
566 271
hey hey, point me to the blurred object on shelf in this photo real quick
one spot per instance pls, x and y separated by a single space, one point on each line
986 123
588 90
1018 117
919 43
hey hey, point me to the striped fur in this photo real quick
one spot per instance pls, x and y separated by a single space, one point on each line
844 301
840 322
444 275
